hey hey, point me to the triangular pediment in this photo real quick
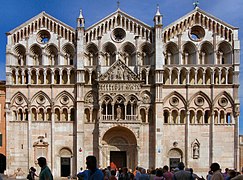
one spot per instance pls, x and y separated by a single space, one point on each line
40 17
123 16
119 71
42 21
196 17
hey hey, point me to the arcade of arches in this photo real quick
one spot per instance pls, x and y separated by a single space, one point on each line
127 92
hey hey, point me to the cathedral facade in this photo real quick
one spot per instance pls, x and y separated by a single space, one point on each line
129 93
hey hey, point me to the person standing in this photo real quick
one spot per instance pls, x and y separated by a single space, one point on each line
32 174
167 174
182 174
93 172
45 173
217 175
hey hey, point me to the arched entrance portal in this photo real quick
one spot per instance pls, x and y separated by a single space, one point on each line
2 163
65 164
175 156
119 148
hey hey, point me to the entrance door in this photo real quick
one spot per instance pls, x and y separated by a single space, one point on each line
174 162
118 159
65 167
2 163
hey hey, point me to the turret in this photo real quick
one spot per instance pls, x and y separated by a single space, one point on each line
159 58
80 20
80 47
158 18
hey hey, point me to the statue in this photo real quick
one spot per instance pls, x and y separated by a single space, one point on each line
195 151
119 74
118 112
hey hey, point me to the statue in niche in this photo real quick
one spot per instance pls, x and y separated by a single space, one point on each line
119 74
118 112
195 151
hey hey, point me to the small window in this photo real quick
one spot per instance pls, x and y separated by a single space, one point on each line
228 118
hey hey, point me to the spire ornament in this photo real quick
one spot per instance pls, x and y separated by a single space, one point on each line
80 14
196 4
118 4
158 11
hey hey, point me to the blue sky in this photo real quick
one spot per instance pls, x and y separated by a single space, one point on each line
15 12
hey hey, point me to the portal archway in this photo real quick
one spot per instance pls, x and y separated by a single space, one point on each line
65 162
175 156
118 148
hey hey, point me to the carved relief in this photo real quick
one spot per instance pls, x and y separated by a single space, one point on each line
120 87
41 99
64 100
119 71
90 98
146 99
199 101
19 100
223 102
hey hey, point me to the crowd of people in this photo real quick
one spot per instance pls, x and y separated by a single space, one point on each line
179 173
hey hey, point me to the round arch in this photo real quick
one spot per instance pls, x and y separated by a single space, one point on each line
120 145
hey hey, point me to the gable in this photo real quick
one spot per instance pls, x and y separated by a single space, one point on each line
42 21
118 19
119 72
198 17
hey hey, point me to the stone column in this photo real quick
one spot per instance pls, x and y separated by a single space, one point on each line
68 76
16 77
45 76
203 57
30 144
226 76
169 58
37 77
126 111
22 78
187 148
29 77
52 139
211 136
147 75
204 74
146 118
220 76
45 112
236 143
90 76
113 111
186 58
187 77
52 77
212 77
60 74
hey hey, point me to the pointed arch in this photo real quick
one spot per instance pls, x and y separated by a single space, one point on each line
174 93
204 95
226 94
64 93
43 94
20 101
